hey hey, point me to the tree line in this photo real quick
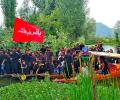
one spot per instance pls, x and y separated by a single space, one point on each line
69 18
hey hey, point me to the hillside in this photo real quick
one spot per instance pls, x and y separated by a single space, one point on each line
103 30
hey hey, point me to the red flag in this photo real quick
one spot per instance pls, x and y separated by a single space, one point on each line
26 32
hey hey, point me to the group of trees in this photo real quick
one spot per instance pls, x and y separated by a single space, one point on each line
52 15
9 10
70 17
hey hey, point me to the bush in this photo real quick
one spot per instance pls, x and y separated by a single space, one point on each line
46 90
50 40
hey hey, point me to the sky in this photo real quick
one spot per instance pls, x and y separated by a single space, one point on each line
104 11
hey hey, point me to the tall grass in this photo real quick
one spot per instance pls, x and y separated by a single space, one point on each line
46 90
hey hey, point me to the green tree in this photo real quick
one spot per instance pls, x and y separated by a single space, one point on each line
45 6
49 23
25 11
67 16
9 10
89 28
39 4
117 31
73 14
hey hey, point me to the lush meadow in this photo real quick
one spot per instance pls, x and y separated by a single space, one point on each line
47 90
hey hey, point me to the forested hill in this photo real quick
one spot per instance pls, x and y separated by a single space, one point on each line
103 30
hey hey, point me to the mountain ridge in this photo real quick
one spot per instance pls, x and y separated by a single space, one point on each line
103 30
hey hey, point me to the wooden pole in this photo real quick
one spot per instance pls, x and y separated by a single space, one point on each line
73 71
92 76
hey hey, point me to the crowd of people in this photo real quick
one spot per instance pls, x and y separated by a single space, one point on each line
13 61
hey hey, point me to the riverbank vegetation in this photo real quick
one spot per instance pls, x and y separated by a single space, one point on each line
51 91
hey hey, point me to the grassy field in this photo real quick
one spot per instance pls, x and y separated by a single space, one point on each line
47 90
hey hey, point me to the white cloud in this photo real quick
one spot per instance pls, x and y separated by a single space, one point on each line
105 11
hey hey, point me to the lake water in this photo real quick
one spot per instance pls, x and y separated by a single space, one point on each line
108 47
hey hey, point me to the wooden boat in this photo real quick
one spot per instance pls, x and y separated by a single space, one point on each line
114 70
112 55
57 76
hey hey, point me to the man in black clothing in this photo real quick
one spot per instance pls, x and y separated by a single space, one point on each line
49 59
43 49
14 59
100 47
68 64
81 46
57 53
76 63
27 58
105 62
7 63
2 62
118 50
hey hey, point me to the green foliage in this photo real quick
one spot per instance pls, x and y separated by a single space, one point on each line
46 90
117 31
40 4
81 40
54 17
65 16
57 42
89 29
45 6
73 14
5 38
25 11
9 10
64 22
51 40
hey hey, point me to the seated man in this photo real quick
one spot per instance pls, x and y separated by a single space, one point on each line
56 66
103 66
24 68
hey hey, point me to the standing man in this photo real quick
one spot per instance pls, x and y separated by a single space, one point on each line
68 64
7 63
49 59
43 49
2 62
27 58
14 59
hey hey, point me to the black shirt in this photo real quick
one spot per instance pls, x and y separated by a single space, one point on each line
43 50
68 59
